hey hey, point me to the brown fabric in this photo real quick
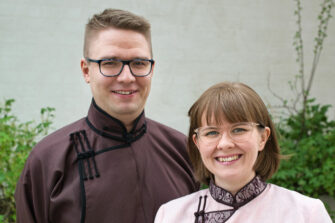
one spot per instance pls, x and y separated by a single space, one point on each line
93 171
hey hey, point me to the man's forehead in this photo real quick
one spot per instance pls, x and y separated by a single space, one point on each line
117 43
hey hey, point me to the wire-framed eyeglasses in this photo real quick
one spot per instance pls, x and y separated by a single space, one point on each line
238 132
114 67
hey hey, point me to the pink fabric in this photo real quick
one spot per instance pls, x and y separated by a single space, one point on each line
274 205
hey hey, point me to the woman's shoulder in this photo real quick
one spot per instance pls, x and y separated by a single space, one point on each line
293 205
290 194
294 198
180 208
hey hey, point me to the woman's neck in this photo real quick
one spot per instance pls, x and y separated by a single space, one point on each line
233 185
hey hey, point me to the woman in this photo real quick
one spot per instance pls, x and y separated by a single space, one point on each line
234 150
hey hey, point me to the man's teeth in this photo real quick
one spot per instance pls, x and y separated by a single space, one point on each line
124 92
227 159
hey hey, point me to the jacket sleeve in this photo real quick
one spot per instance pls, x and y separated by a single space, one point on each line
160 215
319 213
31 193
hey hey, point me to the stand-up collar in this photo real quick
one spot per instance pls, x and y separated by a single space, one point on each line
108 126
250 191
255 187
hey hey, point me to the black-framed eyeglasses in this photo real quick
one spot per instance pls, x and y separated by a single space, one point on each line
114 67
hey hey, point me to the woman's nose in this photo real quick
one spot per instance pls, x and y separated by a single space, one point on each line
225 141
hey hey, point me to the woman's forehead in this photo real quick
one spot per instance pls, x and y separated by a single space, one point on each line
219 117
212 119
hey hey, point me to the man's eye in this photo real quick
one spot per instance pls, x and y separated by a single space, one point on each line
110 63
140 63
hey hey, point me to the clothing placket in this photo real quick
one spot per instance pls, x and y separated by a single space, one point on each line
86 154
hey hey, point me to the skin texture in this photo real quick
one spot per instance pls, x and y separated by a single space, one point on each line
232 175
124 45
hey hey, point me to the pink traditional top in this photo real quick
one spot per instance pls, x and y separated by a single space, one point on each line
255 202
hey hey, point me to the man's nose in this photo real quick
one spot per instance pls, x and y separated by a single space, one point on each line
126 75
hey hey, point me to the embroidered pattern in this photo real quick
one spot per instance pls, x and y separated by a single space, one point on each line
243 196
255 187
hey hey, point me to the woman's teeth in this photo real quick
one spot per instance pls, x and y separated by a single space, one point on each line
227 159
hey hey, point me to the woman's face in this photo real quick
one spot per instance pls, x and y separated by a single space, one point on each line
231 156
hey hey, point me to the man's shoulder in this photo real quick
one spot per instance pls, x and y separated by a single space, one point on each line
59 137
159 128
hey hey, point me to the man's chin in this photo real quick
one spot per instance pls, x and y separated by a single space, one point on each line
131 111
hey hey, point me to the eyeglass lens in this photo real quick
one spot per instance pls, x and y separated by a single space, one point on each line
239 132
114 67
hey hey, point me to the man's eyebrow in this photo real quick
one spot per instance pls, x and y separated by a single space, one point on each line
118 58
140 58
109 58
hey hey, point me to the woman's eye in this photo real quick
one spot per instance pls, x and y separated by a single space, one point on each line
212 133
239 130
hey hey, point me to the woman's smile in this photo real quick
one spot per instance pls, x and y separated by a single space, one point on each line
228 160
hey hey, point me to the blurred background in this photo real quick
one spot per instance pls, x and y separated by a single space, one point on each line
196 44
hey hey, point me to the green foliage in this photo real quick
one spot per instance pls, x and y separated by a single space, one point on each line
312 152
311 167
16 141
306 134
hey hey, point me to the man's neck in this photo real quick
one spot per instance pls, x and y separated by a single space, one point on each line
129 125
126 119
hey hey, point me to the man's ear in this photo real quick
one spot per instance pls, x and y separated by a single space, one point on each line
152 69
85 70
264 138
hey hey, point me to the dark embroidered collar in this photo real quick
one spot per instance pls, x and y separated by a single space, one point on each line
251 190
254 188
104 124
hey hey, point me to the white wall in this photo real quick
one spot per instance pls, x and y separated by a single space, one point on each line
196 44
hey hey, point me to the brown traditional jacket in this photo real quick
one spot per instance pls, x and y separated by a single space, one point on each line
95 171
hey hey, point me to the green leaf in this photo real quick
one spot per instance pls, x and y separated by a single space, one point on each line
16 141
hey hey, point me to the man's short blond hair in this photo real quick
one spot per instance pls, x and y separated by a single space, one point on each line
118 19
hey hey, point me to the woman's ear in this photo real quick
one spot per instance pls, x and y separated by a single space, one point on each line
264 138
195 140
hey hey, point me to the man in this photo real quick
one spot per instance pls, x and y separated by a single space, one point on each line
115 165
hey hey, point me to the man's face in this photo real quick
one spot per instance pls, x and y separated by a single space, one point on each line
123 96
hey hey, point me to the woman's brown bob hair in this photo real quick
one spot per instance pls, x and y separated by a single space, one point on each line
233 102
